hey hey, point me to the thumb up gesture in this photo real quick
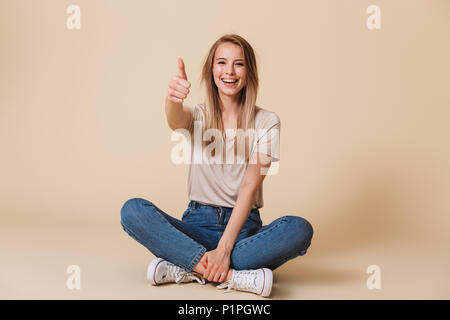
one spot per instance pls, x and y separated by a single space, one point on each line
179 85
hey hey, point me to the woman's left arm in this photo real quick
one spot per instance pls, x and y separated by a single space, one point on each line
218 260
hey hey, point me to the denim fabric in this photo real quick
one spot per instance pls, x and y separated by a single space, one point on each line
183 242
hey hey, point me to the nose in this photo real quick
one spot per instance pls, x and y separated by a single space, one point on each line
230 69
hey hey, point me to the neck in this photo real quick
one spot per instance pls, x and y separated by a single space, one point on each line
230 105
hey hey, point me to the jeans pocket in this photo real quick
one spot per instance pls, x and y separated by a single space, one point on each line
255 218
187 213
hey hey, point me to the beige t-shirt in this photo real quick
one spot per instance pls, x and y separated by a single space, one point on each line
218 183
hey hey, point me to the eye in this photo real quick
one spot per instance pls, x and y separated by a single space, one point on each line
240 64
220 62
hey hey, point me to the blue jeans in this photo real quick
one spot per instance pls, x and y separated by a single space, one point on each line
183 242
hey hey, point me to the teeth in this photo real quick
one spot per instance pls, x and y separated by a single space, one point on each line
229 81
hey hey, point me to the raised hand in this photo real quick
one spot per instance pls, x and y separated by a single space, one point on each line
179 85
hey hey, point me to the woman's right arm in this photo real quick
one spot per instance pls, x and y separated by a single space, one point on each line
178 116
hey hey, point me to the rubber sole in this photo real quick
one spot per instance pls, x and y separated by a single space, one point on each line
151 270
268 281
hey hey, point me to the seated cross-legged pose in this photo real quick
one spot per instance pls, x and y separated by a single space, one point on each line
220 237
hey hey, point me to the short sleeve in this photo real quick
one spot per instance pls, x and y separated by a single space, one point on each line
268 137
197 112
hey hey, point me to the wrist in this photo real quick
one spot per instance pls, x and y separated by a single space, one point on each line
225 245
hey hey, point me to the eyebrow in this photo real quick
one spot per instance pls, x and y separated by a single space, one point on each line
226 59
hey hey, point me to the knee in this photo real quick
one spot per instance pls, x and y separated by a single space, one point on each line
130 212
301 232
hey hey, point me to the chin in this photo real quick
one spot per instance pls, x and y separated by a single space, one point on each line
231 94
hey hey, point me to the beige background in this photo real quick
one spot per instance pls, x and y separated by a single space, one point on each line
364 140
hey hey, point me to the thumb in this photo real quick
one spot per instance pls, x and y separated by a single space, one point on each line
181 69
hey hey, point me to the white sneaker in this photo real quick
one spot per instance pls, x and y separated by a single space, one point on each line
257 281
162 271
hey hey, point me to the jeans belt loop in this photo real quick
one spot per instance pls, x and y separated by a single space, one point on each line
221 213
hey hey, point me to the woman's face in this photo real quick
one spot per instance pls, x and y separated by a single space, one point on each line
229 69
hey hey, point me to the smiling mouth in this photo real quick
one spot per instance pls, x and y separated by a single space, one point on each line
229 82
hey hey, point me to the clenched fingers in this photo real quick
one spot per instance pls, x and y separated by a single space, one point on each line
178 87
212 272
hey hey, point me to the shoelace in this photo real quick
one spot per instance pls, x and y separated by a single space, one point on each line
243 280
180 275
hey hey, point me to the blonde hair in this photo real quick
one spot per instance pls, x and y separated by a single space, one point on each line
247 100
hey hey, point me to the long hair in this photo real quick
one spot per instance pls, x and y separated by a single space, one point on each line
247 97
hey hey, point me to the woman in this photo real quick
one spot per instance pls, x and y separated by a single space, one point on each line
220 237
